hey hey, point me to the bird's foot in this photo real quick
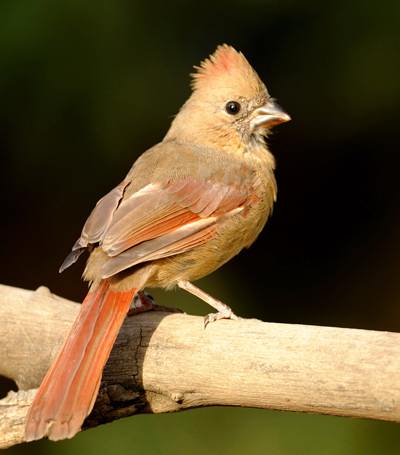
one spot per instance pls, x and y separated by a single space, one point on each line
225 313
141 302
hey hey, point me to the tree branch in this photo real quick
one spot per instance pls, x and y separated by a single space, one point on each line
165 362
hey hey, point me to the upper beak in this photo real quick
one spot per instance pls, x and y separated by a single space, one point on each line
268 115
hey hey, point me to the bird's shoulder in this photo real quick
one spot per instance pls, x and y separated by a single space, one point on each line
171 161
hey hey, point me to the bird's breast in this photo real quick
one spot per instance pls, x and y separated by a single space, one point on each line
233 233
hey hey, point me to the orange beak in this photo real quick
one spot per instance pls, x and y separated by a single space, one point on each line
268 115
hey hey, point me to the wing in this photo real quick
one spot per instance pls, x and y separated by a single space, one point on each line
159 220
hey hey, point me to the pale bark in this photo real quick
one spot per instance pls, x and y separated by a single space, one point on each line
165 362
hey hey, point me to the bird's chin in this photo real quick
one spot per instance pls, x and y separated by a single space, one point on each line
262 132
259 136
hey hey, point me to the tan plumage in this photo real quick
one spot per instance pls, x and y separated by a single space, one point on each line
186 207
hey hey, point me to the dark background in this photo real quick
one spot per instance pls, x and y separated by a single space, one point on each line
85 87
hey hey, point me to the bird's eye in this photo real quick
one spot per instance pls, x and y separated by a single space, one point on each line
232 107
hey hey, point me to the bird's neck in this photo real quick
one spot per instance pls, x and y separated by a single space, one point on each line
206 135
253 151
258 155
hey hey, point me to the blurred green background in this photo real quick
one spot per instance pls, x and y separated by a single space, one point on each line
86 86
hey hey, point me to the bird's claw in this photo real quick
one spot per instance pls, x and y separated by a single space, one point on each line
212 317
141 302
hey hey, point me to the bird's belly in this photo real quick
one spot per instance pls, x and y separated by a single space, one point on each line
232 236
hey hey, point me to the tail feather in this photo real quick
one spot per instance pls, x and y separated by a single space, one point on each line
69 389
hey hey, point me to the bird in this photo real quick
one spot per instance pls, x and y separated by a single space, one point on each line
187 206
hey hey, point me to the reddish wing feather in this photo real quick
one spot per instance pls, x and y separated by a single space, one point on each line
166 208
151 223
176 241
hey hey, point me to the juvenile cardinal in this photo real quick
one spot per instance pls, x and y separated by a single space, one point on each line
187 206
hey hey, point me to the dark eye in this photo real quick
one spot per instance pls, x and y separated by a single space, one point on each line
232 107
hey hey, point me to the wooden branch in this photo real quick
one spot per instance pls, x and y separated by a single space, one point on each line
165 362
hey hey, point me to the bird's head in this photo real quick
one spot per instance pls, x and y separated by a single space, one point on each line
229 107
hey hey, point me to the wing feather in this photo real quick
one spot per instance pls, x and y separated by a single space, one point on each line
159 220
177 241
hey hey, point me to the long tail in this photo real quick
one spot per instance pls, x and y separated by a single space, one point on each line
69 389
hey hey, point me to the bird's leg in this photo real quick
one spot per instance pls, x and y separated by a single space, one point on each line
223 311
141 302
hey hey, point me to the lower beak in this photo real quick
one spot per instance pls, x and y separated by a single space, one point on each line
268 115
